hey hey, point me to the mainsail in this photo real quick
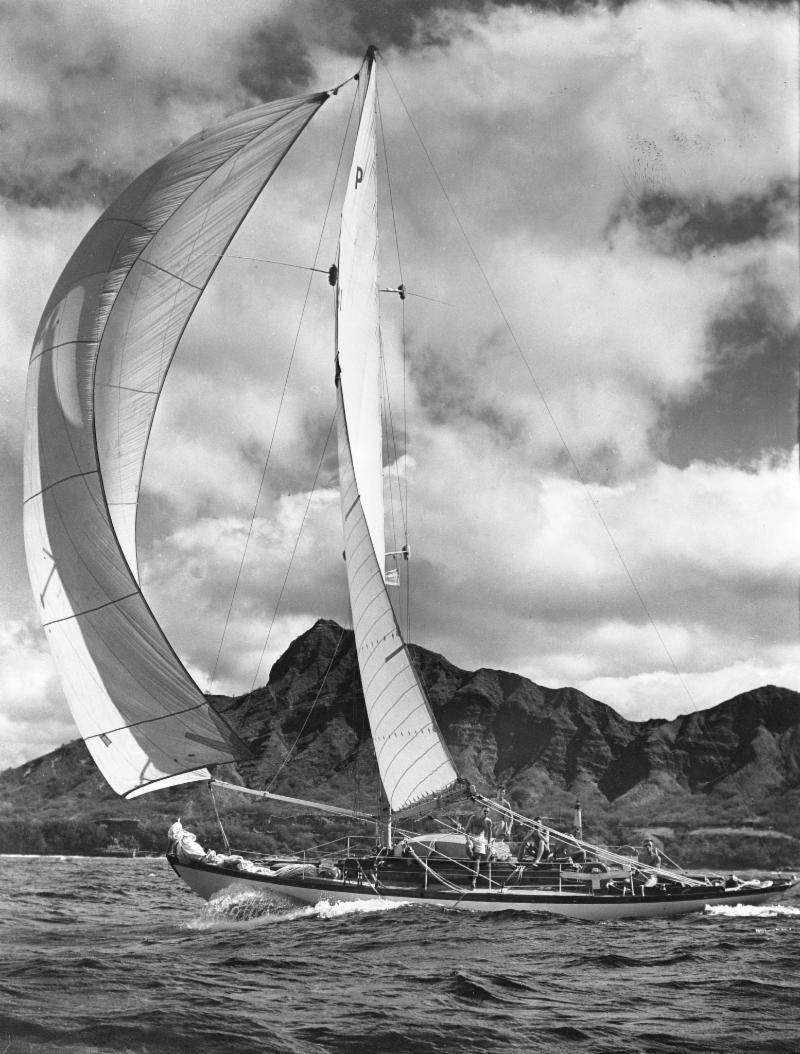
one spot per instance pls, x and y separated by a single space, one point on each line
102 351
413 759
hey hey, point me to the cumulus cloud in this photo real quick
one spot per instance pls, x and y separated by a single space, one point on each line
626 180
711 548
671 696
34 717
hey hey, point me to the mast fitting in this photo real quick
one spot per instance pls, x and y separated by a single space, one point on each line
399 289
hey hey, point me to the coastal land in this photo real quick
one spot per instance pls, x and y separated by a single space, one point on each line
712 787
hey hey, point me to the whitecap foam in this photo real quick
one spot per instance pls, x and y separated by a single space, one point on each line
246 907
327 910
756 911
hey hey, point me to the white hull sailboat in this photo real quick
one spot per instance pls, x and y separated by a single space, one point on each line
584 904
99 362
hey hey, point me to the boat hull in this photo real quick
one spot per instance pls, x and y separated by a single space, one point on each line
210 882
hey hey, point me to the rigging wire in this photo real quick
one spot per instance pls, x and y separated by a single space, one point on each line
311 493
219 819
561 436
264 260
277 418
430 299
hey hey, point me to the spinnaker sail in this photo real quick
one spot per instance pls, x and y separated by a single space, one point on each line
101 354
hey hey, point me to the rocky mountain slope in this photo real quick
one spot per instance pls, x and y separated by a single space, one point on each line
702 782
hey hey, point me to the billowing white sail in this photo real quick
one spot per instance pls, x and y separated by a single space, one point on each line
413 760
102 351
358 324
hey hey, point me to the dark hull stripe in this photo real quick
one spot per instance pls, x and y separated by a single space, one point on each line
467 896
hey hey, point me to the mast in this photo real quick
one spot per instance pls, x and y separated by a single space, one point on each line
413 760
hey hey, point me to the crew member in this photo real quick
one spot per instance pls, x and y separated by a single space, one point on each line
478 833
503 814
536 843
649 855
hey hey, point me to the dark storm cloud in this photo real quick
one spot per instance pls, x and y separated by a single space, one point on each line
273 61
408 24
748 404
43 186
678 225
418 23
85 106
40 165
452 391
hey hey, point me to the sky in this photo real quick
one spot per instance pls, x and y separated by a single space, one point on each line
594 212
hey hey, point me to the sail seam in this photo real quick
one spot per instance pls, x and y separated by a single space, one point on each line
405 738
407 717
55 347
363 536
89 611
358 595
361 552
129 222
150 721
410 795
365 634
165 270
410 688
64 479
415 761
357 573
391 681
127 388
409 767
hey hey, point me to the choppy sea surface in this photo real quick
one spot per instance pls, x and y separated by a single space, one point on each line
117 955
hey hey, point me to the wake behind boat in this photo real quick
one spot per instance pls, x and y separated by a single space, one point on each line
98 366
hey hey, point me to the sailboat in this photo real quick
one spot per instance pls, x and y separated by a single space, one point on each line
100 358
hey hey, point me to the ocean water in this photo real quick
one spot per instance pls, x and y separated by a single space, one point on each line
117 955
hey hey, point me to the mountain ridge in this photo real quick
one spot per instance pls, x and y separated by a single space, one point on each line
736 765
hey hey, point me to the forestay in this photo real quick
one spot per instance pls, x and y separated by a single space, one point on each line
413 760
102 351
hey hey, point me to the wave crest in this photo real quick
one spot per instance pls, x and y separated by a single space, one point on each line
756 911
